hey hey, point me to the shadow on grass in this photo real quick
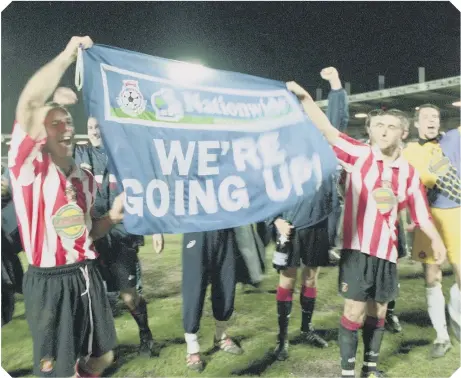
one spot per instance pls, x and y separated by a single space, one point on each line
257 367
420 275
127 352
416 317
20 372
406 347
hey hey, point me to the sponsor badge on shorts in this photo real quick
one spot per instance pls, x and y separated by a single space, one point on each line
46 365
69 221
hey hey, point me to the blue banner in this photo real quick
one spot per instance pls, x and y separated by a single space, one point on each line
199 149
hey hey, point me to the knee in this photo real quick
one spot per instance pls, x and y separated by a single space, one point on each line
287 278
106 359
131 299
433 275
311 277
354 313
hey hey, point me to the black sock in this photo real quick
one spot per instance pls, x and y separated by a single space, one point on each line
390 308
348 341
140 315
307 300
373 331
284 305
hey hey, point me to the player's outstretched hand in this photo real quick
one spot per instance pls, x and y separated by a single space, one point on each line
299 91
71 49
440 251
158 243
116 211
65 96
329 73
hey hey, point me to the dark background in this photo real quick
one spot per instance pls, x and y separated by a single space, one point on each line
278 40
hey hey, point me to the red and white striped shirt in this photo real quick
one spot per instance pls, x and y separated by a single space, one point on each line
375 193
53 210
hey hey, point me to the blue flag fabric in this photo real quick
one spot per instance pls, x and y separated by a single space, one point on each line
198 149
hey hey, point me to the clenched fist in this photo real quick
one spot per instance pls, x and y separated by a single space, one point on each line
329 73
71 49
65 96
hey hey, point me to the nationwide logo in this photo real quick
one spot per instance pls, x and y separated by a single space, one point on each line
69 222
166 105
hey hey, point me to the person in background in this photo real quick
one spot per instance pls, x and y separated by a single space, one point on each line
436 157
12 272
379 183
308 241
118 249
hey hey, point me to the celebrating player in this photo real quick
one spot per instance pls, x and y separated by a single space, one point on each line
436 158
306 228
379 183
118 249
65 300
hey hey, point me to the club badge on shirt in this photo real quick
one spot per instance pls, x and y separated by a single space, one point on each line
384 197
69 221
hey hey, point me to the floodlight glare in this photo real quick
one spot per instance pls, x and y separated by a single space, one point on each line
186 73
360 115
457 103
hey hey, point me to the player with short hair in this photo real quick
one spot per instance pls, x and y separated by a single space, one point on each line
118 249
65 300
305 227
436 157
379 184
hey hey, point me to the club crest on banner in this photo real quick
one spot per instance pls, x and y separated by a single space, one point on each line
130 99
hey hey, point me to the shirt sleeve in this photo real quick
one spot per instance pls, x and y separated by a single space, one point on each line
338 109
348 150
418 204
25 157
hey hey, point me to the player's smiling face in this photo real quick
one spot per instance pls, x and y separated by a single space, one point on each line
428 123
94 133
60 133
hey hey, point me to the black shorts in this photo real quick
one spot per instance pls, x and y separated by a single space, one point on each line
66 308
309 245
363 277
119 267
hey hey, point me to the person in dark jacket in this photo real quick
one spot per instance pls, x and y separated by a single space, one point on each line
12 272
119 249
306 228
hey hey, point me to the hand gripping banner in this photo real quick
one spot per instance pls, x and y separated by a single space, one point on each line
199 149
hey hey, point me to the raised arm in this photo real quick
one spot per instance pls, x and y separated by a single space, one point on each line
316 115
31 108
347 149
338 107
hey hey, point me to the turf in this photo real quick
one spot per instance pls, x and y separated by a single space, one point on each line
254 326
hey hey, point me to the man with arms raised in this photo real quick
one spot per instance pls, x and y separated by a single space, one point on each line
66 305
379 183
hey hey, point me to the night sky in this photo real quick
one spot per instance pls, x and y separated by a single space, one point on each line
279 40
